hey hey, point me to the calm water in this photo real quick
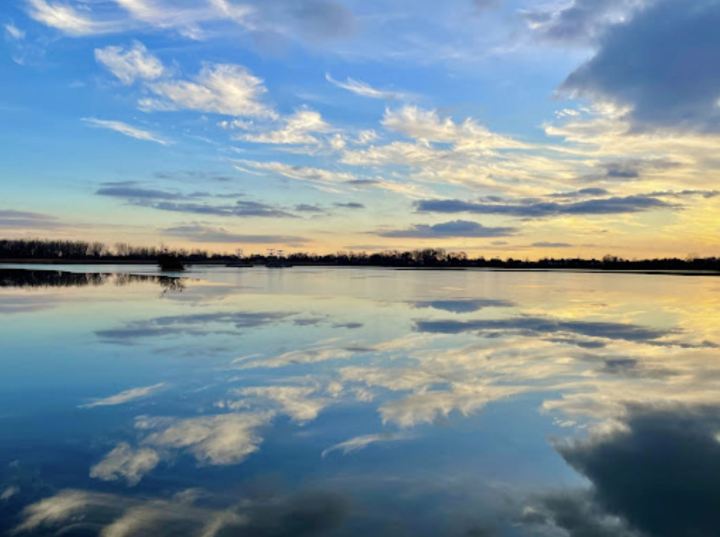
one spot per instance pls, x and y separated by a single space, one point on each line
358 402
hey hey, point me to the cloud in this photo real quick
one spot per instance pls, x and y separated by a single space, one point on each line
221 439
127 130
164 200
307 208
579 21
678 89
54 510
67 19
124 462
136 193
629 169
455 228
10 218
13 32
301 403
364 89
547 244
582 193
241 208
575 514
361 442
427 125
197 324
545 209
226 89
463 305
546 325
201 233
663 456
296 357
9 492
299 128
114 515
126 396
299 173
349 205
130 64
216 440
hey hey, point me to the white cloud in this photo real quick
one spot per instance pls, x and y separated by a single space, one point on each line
366 90
299 173
67 19
298 402
114 515
53 510
125 396
124 462
427 125
130 64
222 439
127 130
218 88
361 442
9 492
299 128
14 32
305 356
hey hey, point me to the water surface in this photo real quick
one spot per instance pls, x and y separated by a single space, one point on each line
341 401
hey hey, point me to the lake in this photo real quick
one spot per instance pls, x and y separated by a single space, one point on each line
359 402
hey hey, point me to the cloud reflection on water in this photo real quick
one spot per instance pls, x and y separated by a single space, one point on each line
623 378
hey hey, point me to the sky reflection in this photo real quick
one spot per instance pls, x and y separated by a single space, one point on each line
359 401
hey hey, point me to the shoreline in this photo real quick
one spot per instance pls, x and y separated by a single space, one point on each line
102 262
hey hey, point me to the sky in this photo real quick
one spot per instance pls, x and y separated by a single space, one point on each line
524 128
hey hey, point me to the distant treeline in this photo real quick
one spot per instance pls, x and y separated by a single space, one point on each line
59 251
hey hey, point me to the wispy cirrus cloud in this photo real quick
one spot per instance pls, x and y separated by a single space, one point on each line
363 89
127 130
126 396
361 442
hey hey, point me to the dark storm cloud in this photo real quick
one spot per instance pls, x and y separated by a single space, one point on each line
201 233
456 228
542 209
580 21
25 219
662 64
543 325
661 473
577 514
463 305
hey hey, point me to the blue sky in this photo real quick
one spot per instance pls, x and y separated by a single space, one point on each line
503 127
